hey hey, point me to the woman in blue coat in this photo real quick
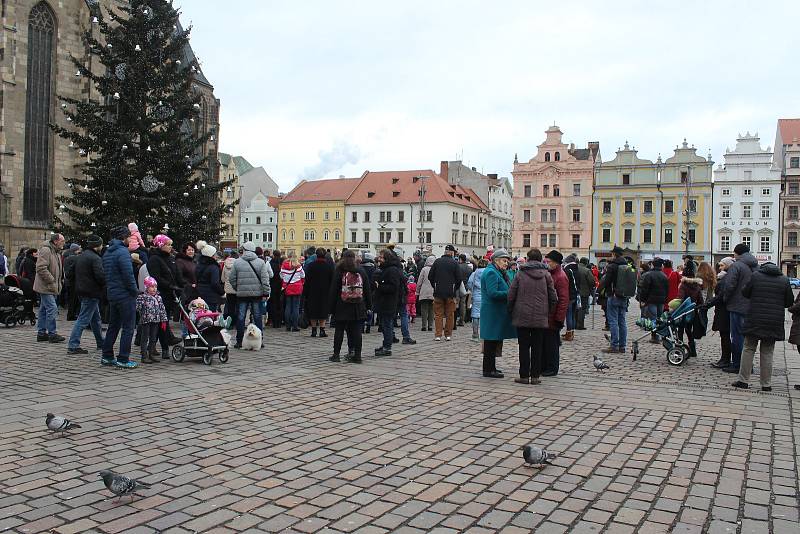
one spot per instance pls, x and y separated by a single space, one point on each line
496 322
474 287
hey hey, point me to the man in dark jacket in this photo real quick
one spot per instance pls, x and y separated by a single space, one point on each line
616 306
570 268
738 276
89 284
69 294
387 283
586 285
445 276
122 291
770 294
653 289
551 359
464 270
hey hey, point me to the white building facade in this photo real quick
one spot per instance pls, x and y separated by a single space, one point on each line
747 188
501 219
260 221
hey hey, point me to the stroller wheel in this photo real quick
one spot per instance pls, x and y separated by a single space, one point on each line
223 356
10 321
207 357
676 356
178 353
33 321
21 321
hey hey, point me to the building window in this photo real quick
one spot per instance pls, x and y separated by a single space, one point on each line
648 235
552 215
692 205
310 215
627 234
543 240
337 236
258 220
765 211
366 216
327 216
692 235
464 237
726 192
556 190
527 191
747 240
794 163
794 188
291 215
526 240
283 235
792 239
547 156
454 237
669 206
473 220
725 212
684 176
747 192
558 156
455 217
384 237
544 215
337 215
725 243
353 237
626 179
354 216
401 216
553 240
667 235
545 191
746 211
576 240
39 94
366 236
464 219
526 215
291 235
400 235
326 235
576 190
606 206
793 213
765 244
628 207
576 215
427 237
648 206
606 235
766 191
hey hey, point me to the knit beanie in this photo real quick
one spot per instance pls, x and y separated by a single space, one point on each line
94 241
208 251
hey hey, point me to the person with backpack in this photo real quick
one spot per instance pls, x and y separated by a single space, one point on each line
250 278
619 284
350 298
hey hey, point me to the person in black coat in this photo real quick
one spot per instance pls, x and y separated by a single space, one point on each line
319 275
722 319
207 274
769 294
387 283
652 293
275 304
161 266
349 315
28 267
445 277
89 285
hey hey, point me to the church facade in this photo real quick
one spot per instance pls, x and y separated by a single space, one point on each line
37 39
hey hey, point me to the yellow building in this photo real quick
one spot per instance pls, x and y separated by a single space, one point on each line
660 209
312 214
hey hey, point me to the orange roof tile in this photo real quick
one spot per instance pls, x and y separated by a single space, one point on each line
311 190
402 187
790 130
273 201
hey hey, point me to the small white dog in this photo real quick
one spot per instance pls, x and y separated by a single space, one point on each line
252 338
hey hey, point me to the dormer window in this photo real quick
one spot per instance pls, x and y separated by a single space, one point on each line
370 194
395 193
547 156
395 180
414 179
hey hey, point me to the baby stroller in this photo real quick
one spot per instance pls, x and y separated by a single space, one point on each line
17 301
666 328
201 342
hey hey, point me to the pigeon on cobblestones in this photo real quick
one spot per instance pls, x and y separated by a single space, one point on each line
121 485
56 423
535 456
599 364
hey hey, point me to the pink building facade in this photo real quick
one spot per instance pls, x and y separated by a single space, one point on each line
553 197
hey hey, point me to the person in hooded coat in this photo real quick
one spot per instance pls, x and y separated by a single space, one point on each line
495 320
348 314
209 278
425 295
690 287
722 322
530 299
275 304
769 293
319 275
738 306
387 285
250 278
474 287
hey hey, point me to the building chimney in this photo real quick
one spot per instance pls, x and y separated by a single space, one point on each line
474 169
443 171
594 148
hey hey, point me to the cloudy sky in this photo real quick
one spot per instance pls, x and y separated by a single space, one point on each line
318 89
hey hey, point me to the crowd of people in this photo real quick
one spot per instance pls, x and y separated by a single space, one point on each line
136 285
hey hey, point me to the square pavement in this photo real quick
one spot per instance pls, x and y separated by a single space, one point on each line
282 440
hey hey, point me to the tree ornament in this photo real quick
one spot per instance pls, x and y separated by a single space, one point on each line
196 106
78 74
116 96
93 225
150 184
195 187
95 20
138 48
185 194
63 106
204 217
62 207
124 147
104 202
119 71
149 149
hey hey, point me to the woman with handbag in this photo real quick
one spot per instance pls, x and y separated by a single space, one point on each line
293 279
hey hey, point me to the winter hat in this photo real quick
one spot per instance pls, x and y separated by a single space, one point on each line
73 247
501 253
94 241
200 245
208 251
727 261
618 251
160 240
572 258
249 246
150 282
740 249
133 227
658 263
556 256
120 232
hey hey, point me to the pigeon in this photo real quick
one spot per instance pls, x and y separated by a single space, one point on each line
56 423
535 456
599 364
121 485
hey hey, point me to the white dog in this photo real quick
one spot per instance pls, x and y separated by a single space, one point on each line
252 338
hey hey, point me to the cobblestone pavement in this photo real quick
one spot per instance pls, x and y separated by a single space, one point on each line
284 441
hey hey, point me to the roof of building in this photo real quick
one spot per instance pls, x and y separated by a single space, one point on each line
320 190
402 187
273 201
580 153
189 57
242 165
790 130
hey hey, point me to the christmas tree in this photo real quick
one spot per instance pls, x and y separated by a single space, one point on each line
144 159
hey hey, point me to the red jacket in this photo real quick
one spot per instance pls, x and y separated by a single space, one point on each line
674 279
558 313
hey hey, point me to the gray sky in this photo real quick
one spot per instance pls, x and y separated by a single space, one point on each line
318 88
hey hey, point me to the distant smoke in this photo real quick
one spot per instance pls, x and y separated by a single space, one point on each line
340 154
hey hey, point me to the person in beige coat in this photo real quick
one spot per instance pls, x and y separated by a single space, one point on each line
48 284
